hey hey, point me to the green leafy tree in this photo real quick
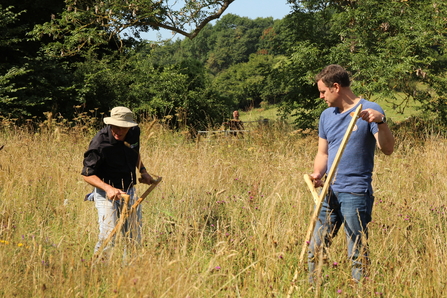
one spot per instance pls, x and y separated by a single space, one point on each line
8 40
236 38
87 25
307 38
30 83
17 19
241 85
197 48
247 84
273 40
178 92
394 50
295 74
87 61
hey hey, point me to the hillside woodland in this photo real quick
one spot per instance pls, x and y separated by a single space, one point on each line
60 58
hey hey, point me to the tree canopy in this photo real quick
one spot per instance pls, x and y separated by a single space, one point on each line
65 54
88 24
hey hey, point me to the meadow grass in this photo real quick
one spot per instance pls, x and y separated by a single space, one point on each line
228 219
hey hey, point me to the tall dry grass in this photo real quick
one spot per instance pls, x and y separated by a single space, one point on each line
228 220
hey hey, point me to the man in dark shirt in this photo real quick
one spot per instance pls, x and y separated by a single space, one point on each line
110 165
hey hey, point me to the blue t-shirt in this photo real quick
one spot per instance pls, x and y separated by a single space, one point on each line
355 167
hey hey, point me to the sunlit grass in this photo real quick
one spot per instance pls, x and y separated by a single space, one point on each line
411 109
228 220
271 111
268 112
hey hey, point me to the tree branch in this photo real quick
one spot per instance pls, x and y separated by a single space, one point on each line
198 28
210 18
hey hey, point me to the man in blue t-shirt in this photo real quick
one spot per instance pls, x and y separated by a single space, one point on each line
350 198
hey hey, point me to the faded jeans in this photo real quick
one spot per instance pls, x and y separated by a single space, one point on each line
352 209
108 214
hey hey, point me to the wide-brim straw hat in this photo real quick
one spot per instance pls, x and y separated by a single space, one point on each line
122 117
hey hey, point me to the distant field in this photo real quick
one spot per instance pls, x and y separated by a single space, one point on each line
260 113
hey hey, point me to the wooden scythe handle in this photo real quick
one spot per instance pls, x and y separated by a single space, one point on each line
145 194
118 226
320 198
311 186
125 212
328 181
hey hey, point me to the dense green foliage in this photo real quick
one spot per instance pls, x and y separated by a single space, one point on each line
394 49
61 55
30 84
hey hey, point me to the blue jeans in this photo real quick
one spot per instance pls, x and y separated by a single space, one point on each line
354 211
108 215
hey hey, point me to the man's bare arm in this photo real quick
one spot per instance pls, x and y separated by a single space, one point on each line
320 163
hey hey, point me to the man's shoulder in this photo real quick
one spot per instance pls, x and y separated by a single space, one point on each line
134 132
370 105
102 133
133 137
329 111
135 129
101 137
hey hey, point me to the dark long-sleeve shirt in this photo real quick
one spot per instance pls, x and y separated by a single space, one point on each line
113 161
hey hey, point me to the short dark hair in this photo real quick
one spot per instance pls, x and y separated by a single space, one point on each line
334 73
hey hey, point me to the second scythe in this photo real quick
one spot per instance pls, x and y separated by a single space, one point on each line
329 179
125 214
319 199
